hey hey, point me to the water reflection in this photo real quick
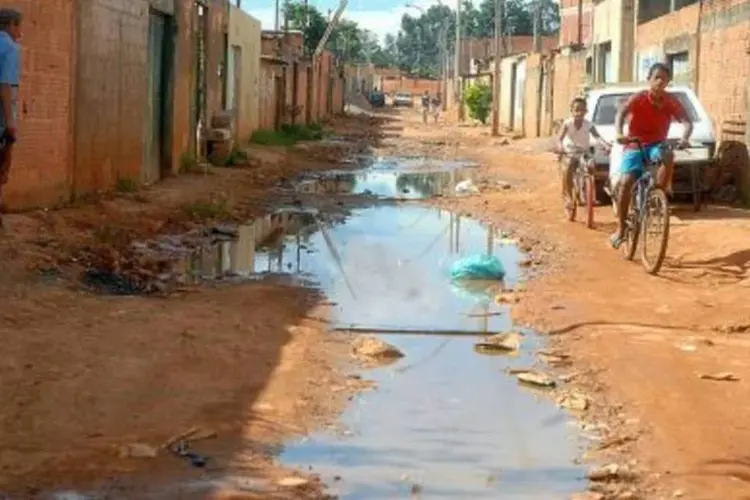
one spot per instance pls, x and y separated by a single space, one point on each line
388 184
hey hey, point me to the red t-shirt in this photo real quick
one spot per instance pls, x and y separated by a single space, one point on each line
650 122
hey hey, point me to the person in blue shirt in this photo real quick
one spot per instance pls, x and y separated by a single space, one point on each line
10 72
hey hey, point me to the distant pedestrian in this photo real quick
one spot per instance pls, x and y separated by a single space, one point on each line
10 72
425 105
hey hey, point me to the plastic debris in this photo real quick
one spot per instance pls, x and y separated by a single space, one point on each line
478 267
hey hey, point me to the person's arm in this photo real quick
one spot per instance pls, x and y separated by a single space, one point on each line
596 135
563 131
622 114
681 116
8 79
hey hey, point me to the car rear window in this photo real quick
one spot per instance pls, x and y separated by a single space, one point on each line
606 107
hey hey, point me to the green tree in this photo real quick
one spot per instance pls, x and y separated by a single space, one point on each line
309 20
478 98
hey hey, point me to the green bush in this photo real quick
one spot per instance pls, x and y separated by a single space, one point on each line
478 99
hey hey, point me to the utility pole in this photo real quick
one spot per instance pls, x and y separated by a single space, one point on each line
457 63
499 13
276 22
537 21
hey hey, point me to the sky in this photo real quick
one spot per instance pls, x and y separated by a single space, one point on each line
379 16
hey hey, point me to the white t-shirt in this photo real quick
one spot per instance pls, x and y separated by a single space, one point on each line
576 137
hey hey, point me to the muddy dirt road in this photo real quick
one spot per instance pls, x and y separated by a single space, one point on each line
94 384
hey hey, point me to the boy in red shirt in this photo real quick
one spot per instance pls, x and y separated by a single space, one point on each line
650 112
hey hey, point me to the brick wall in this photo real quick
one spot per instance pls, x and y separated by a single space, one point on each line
569 23
412 85
568 77
724 69
669 34
42 166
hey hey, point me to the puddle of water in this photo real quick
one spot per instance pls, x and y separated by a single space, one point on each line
394 178
444 417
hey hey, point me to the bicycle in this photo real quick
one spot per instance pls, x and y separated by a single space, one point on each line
649 206
583 190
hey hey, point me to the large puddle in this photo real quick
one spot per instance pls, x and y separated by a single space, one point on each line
445 422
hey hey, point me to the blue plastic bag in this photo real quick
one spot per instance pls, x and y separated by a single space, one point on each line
478 267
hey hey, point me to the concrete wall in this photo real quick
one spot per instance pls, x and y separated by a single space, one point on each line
183 84
244 32
42 163
506 90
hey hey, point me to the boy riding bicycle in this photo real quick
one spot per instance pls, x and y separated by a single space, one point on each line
650 112
575 139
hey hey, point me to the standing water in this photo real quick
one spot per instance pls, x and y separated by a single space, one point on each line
445 421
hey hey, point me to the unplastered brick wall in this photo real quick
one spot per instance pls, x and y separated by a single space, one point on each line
668 34
569 22
724 68
41 174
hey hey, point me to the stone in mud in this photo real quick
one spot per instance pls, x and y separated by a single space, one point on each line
554 358
292 482
374 349
507 297
533 377
611 472
138 450
500 343
574 401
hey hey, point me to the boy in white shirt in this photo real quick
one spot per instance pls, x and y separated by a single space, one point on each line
575 138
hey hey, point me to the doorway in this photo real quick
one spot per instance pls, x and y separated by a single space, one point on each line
157 154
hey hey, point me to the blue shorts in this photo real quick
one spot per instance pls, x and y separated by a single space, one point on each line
633 161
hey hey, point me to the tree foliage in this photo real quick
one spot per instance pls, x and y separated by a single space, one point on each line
478 100
423 43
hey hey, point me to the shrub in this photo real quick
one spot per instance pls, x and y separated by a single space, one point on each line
478 99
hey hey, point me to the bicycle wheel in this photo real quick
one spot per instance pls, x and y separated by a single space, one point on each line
590 194
632 229
655 230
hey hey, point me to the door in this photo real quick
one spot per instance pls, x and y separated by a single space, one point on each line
156 99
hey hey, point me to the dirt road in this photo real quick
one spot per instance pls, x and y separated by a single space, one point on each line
83 376
640 343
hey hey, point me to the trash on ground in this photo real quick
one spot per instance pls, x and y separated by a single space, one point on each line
138 450
720 377
533 377
500 343
292 482
466 187
182 450
574 401
368 348
478 267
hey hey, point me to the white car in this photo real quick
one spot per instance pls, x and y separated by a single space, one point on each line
403 99
603 104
